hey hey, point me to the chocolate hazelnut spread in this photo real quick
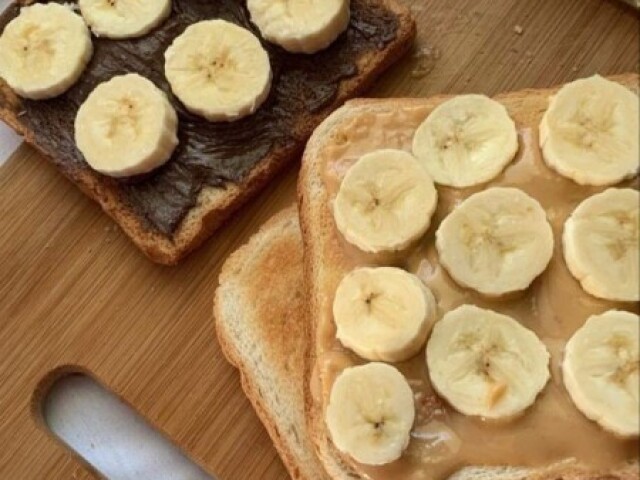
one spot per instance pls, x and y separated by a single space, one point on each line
554 307
209 154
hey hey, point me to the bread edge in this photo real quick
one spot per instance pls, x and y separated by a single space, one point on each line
229 276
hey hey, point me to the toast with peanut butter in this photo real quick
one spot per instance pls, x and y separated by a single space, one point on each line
216 166
262 332
392 264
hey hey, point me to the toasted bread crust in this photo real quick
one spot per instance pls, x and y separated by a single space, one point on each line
215 205
316 221
252 266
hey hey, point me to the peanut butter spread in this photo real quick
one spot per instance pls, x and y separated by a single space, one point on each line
554 307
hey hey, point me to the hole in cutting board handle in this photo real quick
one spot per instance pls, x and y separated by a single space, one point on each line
110 436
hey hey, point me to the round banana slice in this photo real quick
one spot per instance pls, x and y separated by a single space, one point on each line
218 70
486 364
601 371
126 127
124 18
370 413
589 133
300 26
385 202
44 50
383 313
602 244
466 141
496 241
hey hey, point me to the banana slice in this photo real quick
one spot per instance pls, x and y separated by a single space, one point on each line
370 413
44 50
486 364
385 202
126 127
383 313
602 245
300 26
218 70
601 371
124 18
590 132
496 241
466 141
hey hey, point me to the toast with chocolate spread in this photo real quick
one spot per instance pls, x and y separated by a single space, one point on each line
216 167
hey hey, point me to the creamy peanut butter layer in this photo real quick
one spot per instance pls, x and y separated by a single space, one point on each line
554 307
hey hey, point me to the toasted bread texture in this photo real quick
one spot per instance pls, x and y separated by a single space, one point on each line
321 271
214 205
260 323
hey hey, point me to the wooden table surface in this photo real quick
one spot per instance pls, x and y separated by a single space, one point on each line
77 296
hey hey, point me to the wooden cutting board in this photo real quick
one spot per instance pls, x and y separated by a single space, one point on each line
75 295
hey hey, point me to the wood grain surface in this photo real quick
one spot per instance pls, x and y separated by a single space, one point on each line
77 296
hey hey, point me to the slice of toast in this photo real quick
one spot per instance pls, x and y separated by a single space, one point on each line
324 266
203 209
259 311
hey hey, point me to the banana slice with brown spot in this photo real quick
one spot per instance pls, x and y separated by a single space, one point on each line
486 364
